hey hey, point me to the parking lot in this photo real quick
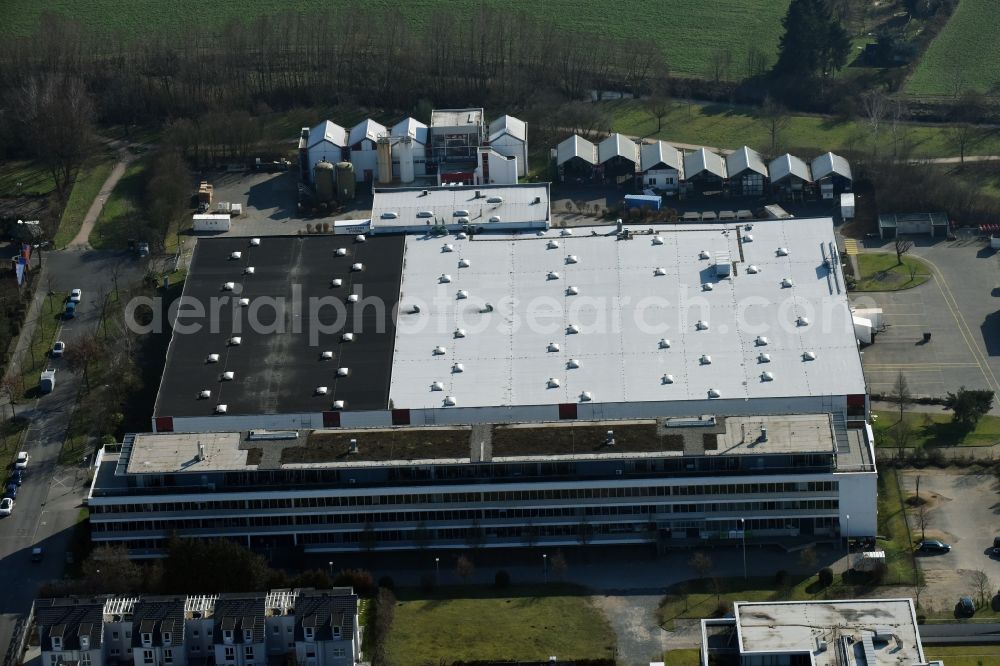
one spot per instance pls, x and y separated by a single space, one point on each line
958 307
964 511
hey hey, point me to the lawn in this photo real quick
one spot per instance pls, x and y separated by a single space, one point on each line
20 177
964 655
937 429
688 31
85 189
528 624
683 657
882 272
722 126
964 55
984 176
111 229
37 358
899 559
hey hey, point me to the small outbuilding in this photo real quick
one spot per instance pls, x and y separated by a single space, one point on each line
891 225
363 142
509 136
789 174
705 171
833 175
618 156
324 142
409 152
662 166
747 173
576 160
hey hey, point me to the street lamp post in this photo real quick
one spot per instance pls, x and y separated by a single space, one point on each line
743 534
437 569
330 564
545 567
847 538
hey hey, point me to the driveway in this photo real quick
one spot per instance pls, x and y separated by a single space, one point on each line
963 510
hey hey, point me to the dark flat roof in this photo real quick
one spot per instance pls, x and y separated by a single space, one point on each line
278 372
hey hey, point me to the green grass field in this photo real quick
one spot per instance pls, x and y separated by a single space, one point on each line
964 55
688 31
964 655
682 657
938 430
528 625
20 177
88 184
899 560
110 231
882 272
720 126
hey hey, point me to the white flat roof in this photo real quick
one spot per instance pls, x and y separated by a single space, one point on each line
796 626
630 296
412 207
159 453
456 118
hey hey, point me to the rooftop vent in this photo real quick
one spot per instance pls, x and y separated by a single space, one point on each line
786 283
459 332
255 242
573 363
572 259
221 409
236 255
437 386
667 379
352 446
360 238
460 213
552 383
464 263
461 293
704 254
390 215
552 275
802 321
766 376
352 298
487 307
659 271
714 393
235 340
341 252
461 235
326 356
552 244
439 350
707 286
553 347
457 368
462 220
761 341
657 240
763 358
664 343
701 325
447 247
347 337
228 286
336 282
357 268
414 309
449 401
572 328
808 356
343 372
212 358
444 279
705 359
339 404
752 269
244 302
572 291
249 270
494 200
782 251
321 390
747 238
586 396
494 219
205 394
228 376
566 232
425 213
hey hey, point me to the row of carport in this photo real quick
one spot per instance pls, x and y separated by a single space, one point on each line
657 165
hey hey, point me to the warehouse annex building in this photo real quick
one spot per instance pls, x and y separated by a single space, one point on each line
530 386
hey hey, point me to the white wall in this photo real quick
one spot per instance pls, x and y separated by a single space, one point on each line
419 159
858 497
505 144
365 159
660 176
503 169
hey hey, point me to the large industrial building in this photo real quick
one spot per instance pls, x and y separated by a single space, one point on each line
505 388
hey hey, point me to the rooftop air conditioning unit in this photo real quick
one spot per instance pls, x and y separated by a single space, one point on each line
236 255
447 247
326 356
343 372
347 337
212 358
249 270
255 242
221 409
341 252
352 298
463 263
336 282
228 376
444 279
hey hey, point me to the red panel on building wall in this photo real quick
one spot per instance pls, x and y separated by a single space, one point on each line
567 410
164 424
331 419
400 417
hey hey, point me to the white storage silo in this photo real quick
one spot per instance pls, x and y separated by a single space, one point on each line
406 160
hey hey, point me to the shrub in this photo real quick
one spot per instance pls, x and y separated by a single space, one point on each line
826 576
427 583
781 578
360 579
501 580
387 582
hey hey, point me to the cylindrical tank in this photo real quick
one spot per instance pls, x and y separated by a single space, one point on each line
325 191
406 160
345 182
384 161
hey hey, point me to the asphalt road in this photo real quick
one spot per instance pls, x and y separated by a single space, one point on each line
963 633
49 501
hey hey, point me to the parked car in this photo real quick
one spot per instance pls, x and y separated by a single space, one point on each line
37 554
996 545
70 311
933 546
21 462
6 506
58 348
75 295
11 490
965 606
17 477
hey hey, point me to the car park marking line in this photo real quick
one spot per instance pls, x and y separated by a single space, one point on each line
956 313
890 366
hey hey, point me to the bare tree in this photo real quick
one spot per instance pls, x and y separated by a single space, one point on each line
701 564
658 101
9 390
83 354
897 113
875 104
558 563
901 394
464 568
981 585
719 64
808 558
902 246
921 512
756 62
775 118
